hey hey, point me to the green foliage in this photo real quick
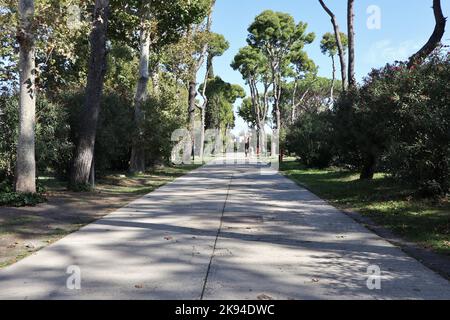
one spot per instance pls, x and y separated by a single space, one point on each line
168 19
221 97
9 119
10 198
400 118
114 129
20 199
217 45
420 151
165 113
245 111
329 46
276 32
53 145
251 63
310 138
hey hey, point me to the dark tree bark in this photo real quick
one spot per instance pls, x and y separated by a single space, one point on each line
369 167
337 34
191 111
351 43
25 178
333 80
435 38
89 118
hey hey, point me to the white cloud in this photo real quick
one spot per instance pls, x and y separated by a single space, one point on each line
385 51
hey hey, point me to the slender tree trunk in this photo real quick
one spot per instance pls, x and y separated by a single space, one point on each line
337 34
435 38
25 164
92 174
333 80
277 97
96 74
351 43
137 161
202 133
191 111
203 108
276 136
193 84
294 105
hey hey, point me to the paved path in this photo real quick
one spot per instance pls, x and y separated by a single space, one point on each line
223 232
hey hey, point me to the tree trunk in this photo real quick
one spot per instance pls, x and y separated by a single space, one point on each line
435 38
276 132
202 134
333 81
191 111
276 135
369 167
137 161
337 34
26 164
210 66
92 174
294 105
96 74
351 43
193 83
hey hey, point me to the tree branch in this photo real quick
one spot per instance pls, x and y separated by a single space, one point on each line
435 38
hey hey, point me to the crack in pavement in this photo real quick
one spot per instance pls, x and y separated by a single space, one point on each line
217 236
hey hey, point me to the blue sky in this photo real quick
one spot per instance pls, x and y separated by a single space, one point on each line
405 27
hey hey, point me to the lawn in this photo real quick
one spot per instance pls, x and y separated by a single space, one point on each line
24 230
386 202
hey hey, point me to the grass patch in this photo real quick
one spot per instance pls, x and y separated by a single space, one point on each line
14 199
387 202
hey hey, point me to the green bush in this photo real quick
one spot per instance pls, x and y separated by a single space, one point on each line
20 199
163 115
10 198
114 129
420 153
53 146
399 121
9 118
114 134
310 138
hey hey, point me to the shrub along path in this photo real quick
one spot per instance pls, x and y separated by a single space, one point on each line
223 232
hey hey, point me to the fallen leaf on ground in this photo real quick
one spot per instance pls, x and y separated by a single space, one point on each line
264 297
